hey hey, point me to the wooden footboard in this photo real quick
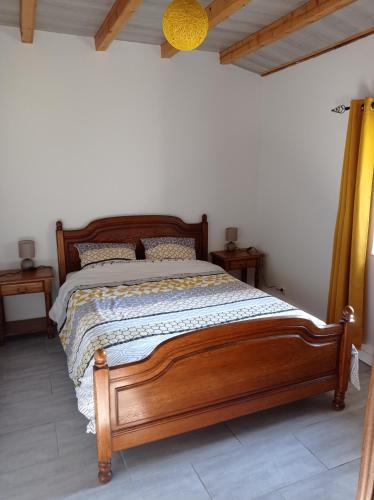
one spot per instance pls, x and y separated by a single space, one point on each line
216 374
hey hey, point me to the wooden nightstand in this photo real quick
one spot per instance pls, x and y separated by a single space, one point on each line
239 259
16 282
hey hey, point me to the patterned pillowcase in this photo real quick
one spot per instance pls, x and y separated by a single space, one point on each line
93 253
169 248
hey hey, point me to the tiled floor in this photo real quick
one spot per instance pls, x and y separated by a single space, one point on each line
300 451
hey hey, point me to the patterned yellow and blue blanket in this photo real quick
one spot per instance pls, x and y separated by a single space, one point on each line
165 301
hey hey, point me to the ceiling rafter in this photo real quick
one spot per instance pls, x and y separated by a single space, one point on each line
320 52
114 22
217 11
310 12
27 20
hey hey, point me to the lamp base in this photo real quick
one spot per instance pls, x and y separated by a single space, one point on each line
27 265
230 246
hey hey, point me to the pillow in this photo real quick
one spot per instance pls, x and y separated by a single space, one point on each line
93 253
169 248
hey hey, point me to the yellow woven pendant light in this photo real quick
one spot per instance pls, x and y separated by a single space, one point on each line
185 24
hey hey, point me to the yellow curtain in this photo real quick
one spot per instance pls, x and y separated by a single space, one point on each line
347 281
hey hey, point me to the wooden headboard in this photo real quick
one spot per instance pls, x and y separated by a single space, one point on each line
126 229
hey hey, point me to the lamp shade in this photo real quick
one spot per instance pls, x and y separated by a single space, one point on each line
26 249
231 233
185 24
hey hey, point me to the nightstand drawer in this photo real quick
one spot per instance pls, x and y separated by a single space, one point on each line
15 289
241 264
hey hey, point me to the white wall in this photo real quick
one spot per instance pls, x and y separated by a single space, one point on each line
86 134
301 160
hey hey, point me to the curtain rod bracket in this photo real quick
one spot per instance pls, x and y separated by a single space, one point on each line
342 108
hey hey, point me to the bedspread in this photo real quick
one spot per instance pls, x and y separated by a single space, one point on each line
130 308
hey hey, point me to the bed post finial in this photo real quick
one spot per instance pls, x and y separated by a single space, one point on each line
59 225
204 218
100 359
348 315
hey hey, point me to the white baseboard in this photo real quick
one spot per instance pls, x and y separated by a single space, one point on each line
366 354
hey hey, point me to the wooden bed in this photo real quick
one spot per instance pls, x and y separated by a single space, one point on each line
209 376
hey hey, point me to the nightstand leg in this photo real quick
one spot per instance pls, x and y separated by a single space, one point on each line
244 275
48 305
257 276
2 321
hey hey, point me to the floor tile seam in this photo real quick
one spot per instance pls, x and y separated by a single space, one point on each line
311 452
28 427
201 481
227 425
314 475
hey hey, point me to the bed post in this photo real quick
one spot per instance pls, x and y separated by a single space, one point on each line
103 430
60 252
204 243
345 353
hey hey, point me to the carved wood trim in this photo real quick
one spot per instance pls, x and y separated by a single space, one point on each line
154 431
216 336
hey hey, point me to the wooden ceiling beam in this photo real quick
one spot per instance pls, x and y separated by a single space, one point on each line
217 11
308 13
329 48
27 20
114 22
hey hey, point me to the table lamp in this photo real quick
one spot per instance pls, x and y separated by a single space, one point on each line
26 251
231 237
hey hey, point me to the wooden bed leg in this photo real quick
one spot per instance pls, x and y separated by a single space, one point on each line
103 430
105 472
338 403
348 317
